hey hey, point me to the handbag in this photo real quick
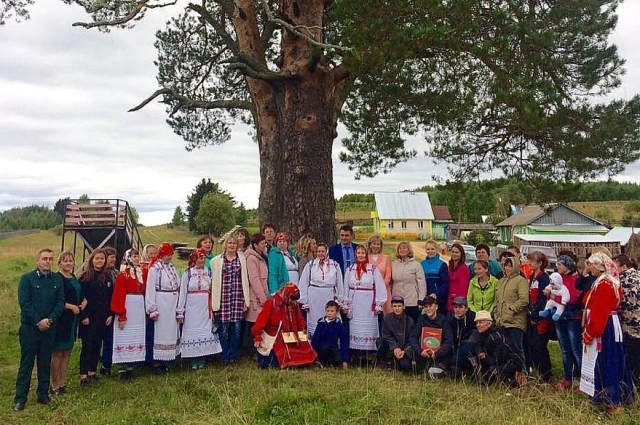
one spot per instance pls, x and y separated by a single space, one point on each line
266 345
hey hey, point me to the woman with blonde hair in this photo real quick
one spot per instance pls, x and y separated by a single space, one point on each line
436 274
67 328
383 263
610 382
306 249
230 297
407 280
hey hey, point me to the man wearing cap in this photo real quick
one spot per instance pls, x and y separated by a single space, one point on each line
430 323
498 360
393 345
465 334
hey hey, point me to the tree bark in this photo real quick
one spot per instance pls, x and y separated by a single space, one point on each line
296 120
296 168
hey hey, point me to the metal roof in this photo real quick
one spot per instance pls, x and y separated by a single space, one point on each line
441 213
551 214
580 228
622 234
566 238
403 205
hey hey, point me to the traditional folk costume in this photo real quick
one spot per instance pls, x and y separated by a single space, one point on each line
161 300
609 381
127 302
194 305
281 315
321 281
365 293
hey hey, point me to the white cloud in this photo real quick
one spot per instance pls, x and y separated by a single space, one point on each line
65 129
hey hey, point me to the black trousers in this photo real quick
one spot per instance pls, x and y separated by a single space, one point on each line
329 356
90 353
633 357
107 346
539 352
385 353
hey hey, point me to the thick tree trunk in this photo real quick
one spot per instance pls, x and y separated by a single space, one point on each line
296 120
296 168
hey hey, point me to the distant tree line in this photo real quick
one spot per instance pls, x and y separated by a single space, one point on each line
31 217
468 201
43 217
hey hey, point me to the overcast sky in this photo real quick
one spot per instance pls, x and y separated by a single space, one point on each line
65 130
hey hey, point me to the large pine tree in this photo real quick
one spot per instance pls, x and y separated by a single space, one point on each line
507 85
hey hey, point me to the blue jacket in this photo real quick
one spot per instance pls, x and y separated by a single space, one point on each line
436 273
332 334
278 275
336 254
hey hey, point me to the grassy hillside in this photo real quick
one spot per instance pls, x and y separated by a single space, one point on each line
245 395
614 209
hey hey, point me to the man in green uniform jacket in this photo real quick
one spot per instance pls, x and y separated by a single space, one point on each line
41 299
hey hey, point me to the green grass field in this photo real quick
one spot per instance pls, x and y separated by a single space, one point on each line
245 395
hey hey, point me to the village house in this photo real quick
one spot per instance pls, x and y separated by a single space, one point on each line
406 213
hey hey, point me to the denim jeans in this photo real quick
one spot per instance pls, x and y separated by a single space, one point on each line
569 334
230 338
516 337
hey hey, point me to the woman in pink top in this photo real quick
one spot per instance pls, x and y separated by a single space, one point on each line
459 275
383 263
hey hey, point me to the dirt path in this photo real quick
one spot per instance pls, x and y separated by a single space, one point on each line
419 254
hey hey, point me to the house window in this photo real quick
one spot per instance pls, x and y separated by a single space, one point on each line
420 224
390 225
404 224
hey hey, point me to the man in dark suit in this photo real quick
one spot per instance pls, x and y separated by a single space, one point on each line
344 253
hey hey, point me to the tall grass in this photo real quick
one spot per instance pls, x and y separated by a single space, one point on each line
245 395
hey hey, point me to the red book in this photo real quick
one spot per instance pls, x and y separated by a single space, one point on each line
431 338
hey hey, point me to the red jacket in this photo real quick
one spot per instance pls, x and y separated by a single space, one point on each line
275 311
458 283
601 301
125 284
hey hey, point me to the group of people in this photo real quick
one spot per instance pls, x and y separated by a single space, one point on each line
298 305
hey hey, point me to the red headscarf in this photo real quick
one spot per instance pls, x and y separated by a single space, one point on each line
195 254
164 250
282 236
290 309
361 266
287 291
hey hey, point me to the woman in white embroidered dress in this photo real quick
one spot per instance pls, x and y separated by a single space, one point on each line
127 302
198 339
161 301
365 293
321 281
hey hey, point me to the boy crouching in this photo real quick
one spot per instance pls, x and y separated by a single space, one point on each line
393 345
331 339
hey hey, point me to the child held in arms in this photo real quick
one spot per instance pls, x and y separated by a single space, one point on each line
331 339
558 297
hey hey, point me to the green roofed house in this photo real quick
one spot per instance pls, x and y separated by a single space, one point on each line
405 213
552 219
